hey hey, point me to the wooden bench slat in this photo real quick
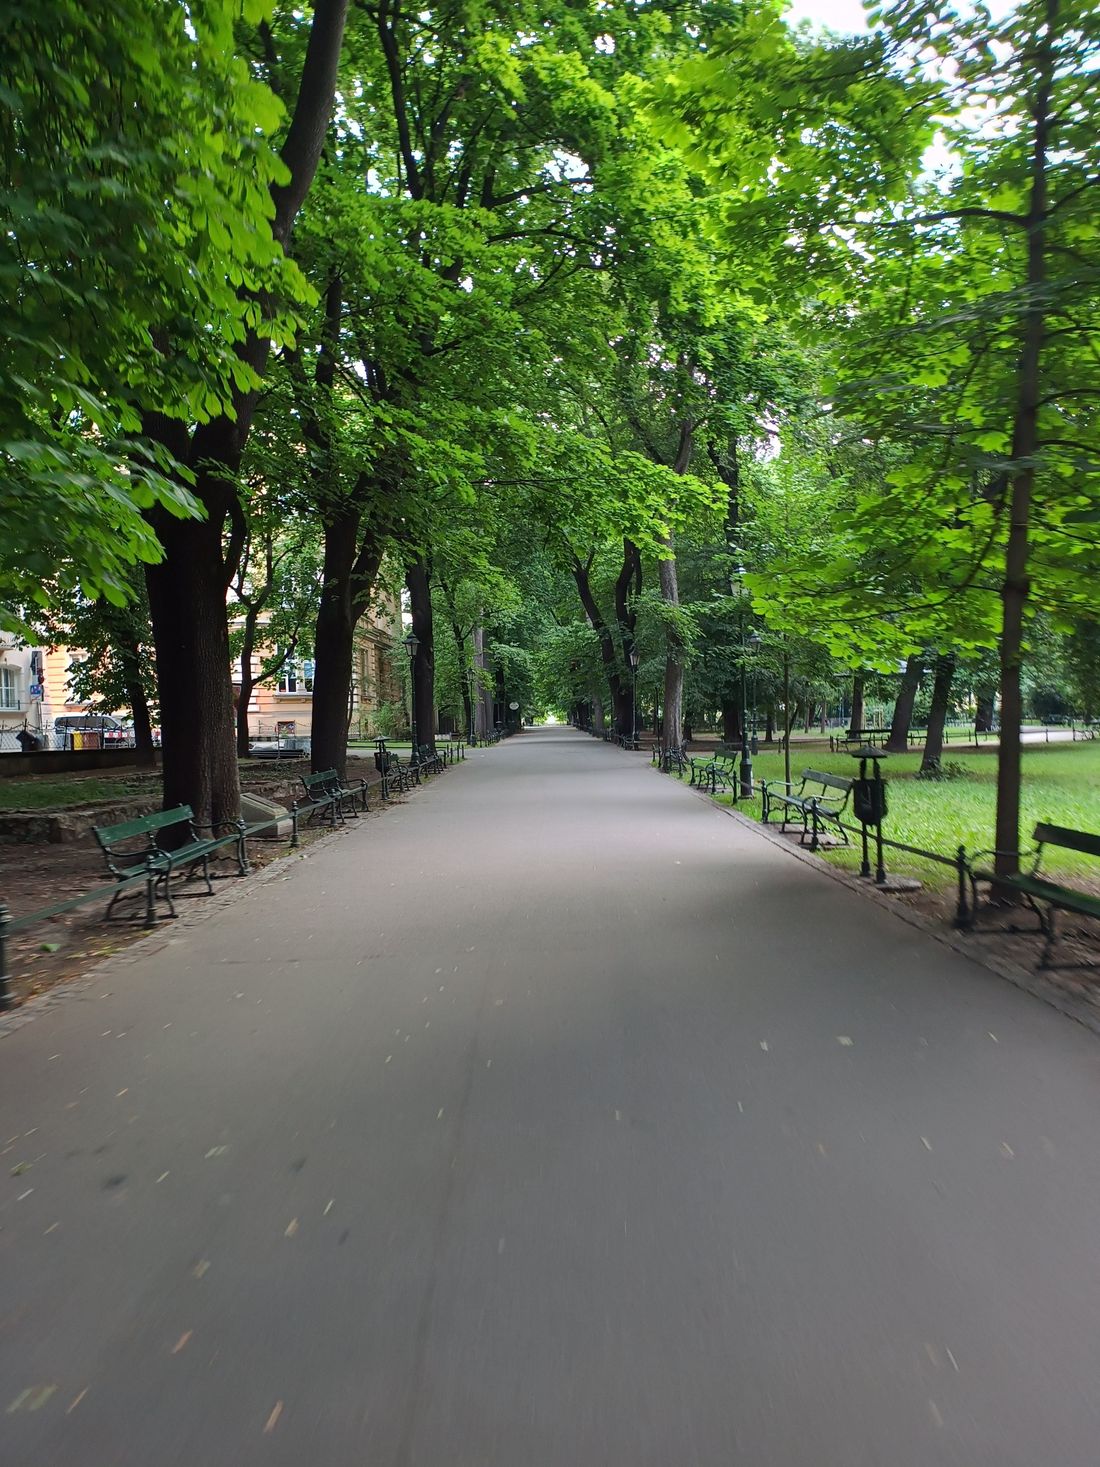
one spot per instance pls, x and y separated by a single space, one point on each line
1071 840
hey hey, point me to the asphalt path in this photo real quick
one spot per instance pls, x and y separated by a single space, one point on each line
556 1119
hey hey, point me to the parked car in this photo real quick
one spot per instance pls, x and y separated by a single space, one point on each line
111 730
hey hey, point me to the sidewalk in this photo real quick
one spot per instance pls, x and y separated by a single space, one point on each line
556 1121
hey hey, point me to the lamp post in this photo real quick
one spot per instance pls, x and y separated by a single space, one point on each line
746 757
754 643
633 696
412 642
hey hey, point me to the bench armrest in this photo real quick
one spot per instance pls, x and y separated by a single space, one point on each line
771 784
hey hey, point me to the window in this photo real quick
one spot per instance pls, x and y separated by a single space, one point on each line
297 677
9 688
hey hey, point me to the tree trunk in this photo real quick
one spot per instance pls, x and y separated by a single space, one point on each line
673 731
417 579
628 586
244 697
191 636
856 721
769 723
937 714
1025 447
187 589
731 723
483 721
983 713
139 705
620 695
898 742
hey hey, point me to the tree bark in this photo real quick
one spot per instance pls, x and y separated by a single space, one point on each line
628 586
855 723
139 704
983 713
898 742
417 579
731 723
937 713
1025 448
672 736
620 696
187 588
248 683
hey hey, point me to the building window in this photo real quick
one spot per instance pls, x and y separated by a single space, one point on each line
297 677
9 689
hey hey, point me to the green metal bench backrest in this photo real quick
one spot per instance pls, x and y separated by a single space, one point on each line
312 781
109 835
829 781
1072 840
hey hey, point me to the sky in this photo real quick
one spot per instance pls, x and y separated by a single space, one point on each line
845 16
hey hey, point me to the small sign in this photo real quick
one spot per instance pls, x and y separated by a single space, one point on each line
513 706
35 690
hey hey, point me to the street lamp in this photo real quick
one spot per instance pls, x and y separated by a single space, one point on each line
634 696
755 641
412 642
746 757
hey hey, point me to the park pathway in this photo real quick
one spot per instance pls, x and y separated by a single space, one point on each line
554 1120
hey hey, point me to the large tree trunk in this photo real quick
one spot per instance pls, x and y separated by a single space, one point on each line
898 742
672 736
855 723
187 589
139 704
1025 447
248 682
333 648
191 636
483 698
937 714
983 713
731 723
628 587
620 696
418 581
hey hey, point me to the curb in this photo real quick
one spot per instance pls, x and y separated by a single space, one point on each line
1081 1013
142 947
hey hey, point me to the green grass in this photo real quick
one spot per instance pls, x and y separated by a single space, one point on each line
62 794
1061 784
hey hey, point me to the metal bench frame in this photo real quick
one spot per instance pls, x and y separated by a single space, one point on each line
157 864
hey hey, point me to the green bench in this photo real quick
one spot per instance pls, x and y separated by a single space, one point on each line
718 772
1043 896
428 760
127 861
326 792
821 798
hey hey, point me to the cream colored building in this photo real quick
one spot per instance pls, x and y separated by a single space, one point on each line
282 707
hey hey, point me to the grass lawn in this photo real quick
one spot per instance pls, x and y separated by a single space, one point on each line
1061 784
62 794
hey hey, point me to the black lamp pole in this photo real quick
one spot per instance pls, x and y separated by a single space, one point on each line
746 757
412 642
633 697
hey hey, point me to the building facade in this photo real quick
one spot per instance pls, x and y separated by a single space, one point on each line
282 707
